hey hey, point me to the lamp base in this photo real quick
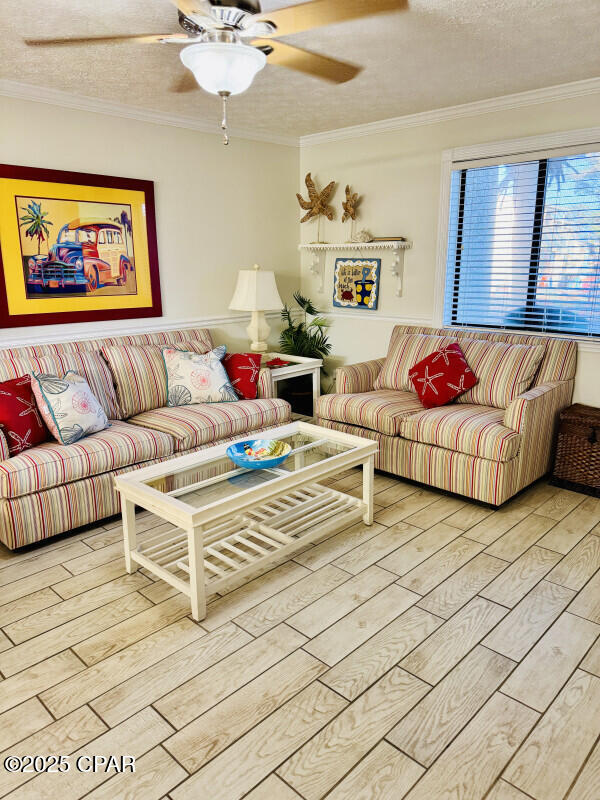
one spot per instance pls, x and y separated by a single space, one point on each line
258 332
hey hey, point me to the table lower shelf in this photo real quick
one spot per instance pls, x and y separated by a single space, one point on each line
249 542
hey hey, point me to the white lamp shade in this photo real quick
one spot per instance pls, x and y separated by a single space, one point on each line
223 66
256 290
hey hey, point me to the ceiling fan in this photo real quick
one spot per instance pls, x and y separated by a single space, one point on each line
227 42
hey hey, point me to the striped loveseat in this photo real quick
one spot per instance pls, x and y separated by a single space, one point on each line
53 488
487 450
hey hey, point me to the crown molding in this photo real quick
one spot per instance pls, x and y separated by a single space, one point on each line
56 97
564 91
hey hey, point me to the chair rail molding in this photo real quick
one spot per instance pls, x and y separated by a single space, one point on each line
83 331
375 316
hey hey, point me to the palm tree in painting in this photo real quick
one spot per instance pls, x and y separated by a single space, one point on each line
124 220
38 225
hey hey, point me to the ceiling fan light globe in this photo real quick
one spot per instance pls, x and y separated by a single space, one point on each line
223 67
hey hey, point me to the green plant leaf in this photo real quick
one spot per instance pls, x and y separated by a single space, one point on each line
304 339
305 304
320 322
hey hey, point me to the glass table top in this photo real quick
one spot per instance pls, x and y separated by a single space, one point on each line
220 479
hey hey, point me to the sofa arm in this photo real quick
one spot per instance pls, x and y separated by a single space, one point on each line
534 415
357 378
265 387
4 454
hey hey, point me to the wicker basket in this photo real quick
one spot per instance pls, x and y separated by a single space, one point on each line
577 464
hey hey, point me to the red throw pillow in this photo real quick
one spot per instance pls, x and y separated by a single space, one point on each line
442 376
242 370
20 419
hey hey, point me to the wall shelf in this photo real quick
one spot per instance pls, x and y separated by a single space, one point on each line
317 266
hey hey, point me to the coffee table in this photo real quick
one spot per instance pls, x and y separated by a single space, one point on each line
229 524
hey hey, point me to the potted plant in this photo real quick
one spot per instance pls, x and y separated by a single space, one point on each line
306 338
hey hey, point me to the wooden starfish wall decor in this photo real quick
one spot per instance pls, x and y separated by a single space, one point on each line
350 205
318 202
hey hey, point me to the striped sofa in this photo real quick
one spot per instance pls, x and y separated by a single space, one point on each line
53 488
485 452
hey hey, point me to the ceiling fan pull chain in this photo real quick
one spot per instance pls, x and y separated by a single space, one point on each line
224 96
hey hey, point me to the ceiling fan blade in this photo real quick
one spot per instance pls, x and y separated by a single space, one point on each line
140 38
184 83
329 69
303 17
191 8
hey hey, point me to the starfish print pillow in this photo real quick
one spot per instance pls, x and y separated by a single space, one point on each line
20 419
442 376
243 370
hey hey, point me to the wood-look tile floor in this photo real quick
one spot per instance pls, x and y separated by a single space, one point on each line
447 652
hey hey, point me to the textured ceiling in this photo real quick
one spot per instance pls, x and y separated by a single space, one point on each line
438 53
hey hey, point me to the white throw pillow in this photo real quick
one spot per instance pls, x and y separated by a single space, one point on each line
194 378
68 406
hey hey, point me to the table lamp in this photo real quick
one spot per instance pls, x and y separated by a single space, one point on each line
256 291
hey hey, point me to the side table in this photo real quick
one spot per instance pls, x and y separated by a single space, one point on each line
298 366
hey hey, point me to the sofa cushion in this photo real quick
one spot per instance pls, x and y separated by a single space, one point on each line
51 464
471 429
381 411
89 364
191 426
504 371
403 352
140 376
558 364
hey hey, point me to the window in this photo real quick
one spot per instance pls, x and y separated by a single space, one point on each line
66 236
87 236
524 246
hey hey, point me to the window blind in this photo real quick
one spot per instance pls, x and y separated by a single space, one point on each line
524 246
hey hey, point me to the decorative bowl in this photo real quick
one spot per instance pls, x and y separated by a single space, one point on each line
259 453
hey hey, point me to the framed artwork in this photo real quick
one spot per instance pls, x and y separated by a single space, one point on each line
356 283
76 247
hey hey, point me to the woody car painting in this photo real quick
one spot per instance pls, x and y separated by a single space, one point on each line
76 247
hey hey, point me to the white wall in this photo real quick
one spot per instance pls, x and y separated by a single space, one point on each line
399 175
218 208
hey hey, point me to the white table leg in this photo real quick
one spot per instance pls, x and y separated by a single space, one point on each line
368 481
129 537
196 564
316 383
